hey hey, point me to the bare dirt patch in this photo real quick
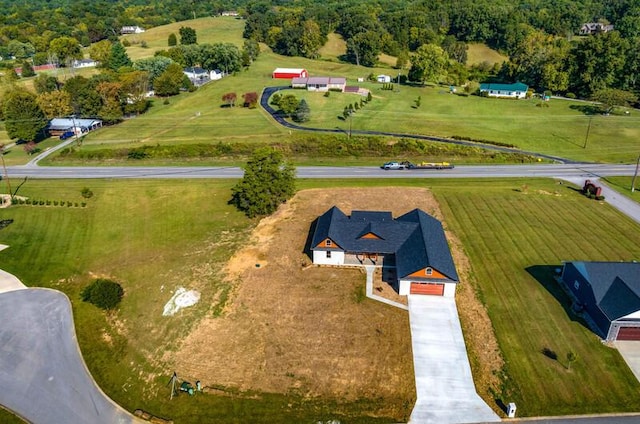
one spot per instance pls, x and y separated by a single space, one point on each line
291 328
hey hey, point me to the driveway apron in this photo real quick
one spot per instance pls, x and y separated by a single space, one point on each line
444 384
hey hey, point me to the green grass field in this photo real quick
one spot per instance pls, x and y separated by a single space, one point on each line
478 53
208 30
559 129
155 235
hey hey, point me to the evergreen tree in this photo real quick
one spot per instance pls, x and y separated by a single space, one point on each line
369 96
27 70
268 182
303 112
119 57
173 40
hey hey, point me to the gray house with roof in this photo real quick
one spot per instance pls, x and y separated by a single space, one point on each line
610 293
413 244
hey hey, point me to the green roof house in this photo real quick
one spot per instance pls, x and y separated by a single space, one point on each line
517 90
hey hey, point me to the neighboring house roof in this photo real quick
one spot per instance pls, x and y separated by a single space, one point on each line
288 70
61 124
319 80
195 71
591 27
615 286
416 239
518 86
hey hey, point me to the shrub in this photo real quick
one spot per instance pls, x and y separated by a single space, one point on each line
55 203
599 197
69 204
103 293
327 93
48 202
87 193
570 96
41 202
83 204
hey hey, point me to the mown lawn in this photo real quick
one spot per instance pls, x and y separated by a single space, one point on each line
152 237
516 234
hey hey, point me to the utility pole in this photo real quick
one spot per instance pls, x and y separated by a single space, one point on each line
635 175
586 138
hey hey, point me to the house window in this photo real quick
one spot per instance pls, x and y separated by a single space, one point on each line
328 254
327 243
576 284
428 271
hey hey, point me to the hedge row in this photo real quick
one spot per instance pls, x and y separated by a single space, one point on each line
327 146
34 202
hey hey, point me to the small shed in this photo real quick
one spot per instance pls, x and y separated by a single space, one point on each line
384 78
288 73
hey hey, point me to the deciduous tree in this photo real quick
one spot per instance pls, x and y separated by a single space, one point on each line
609 98
288 104
101 52
23 118
66 49
169 82
55 104
268 182
428 63
229 99
188 35
250 99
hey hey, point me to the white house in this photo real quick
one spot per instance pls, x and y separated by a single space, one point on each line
517 90
129 29
413 246
384 78
84 63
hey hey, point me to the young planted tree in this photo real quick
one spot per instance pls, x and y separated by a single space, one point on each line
250 99
229 99
267 183
571 358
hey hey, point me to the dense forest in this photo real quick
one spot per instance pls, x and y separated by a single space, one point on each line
543 39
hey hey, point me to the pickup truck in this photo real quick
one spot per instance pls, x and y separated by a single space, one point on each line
394 165
422 165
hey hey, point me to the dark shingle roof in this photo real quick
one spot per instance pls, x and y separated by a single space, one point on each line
416 238
615 285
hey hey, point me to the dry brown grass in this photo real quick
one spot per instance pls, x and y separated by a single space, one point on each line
291 328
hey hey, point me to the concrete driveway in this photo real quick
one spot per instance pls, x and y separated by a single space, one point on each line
43 376
630 351
444 384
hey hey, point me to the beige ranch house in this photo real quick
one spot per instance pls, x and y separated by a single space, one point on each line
413 245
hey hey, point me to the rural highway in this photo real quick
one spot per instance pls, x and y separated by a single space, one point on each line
328 172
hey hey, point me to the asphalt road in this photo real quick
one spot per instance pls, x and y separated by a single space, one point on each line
42 374
328 172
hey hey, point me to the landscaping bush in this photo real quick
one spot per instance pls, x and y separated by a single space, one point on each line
87 193
103 293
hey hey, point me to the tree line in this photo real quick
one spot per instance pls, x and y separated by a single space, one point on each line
539 37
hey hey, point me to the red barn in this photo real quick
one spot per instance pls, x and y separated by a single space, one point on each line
288 73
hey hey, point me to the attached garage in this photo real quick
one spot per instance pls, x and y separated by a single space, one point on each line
432 289
628 333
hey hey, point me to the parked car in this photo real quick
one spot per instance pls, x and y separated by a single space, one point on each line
65 135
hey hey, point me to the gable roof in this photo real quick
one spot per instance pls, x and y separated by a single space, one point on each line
416 239
63 124
517 86
615 286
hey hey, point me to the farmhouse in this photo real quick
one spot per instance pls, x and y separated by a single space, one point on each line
199 76
130 29
413 244
84 63
517 90
320 83
58 126
591 28
288 73
609 292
